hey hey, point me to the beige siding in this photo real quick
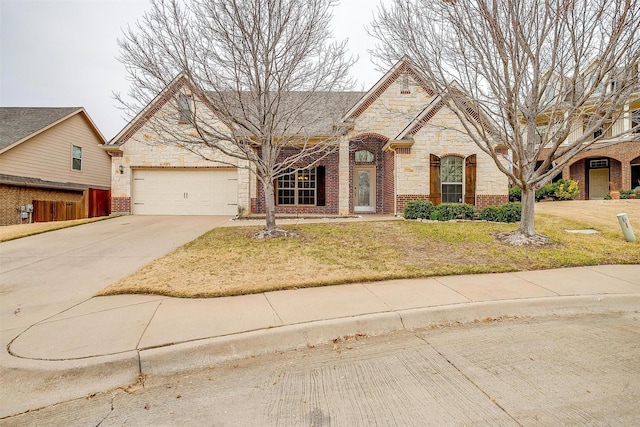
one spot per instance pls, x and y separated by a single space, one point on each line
48 155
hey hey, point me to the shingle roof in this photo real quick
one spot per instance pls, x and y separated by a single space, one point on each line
309 113
24 181
16 123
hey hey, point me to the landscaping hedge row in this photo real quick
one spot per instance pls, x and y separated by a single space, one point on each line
564 189
424 209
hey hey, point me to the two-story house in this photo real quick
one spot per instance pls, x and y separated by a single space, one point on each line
52 165
612 162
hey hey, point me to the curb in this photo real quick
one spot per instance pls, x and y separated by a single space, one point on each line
83 377
73 378
193 355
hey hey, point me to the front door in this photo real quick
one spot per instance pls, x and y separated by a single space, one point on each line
364 190
598 183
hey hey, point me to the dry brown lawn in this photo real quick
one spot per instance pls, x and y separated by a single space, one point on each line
227 261
598 214
12 232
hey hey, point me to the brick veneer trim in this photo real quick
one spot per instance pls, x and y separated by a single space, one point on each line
120 205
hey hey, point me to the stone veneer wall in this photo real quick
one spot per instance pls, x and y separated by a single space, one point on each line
145 151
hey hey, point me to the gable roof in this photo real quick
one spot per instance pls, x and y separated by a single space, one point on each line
17 124
403 66
148 111
324 109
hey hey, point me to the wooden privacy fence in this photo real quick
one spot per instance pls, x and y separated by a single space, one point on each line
99 202
46 210
94 203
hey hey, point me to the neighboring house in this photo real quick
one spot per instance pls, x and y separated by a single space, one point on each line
51 159
613 163
400 144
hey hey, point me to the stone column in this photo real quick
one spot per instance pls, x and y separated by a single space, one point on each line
344 180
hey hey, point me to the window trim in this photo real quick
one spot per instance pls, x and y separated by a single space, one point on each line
297 190
74 158
460 183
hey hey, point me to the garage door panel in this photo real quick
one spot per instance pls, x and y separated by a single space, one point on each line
185 192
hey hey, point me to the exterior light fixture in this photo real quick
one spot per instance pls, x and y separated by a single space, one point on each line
121 169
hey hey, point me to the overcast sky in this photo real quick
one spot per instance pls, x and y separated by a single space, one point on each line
62 53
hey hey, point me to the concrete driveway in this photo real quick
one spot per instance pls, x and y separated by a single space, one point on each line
45 274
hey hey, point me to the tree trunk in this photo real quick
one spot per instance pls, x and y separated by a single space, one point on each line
528 210
270 205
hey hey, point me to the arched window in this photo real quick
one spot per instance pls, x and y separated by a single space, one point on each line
364 156
452 179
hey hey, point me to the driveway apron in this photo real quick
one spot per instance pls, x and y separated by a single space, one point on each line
46 274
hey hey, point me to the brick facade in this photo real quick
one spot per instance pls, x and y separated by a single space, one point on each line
121 205
332 176
484 200
12 197
374 145
388 184
621 157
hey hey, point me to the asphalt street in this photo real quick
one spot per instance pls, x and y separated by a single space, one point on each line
559 370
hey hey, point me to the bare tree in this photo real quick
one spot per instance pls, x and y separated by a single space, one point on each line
547 75
258 73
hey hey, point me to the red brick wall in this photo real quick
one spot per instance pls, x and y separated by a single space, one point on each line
403 199
12 197
577 172
620 157
121 205
484 200
388 184
330 163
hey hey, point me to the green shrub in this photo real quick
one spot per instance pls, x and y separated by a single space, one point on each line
566 189
423 209
490 213
418 209
626 194
509 212
449 211
546 192
515 194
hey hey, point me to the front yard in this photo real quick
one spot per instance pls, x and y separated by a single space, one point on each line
227 261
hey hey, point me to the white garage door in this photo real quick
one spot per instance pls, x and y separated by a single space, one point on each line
185 192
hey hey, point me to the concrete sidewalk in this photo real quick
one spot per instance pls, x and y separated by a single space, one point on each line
107 342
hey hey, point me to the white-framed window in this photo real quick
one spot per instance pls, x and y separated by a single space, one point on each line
451 177
76 158
297 187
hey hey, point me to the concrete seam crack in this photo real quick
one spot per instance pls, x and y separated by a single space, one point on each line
494 401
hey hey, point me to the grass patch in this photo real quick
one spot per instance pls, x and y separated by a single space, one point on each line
12 232
227 261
